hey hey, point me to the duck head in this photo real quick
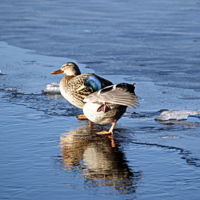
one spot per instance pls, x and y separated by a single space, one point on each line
70 69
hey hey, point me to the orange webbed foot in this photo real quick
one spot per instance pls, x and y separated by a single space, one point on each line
104 133
81 117
104 107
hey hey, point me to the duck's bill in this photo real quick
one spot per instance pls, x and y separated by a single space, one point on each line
57 72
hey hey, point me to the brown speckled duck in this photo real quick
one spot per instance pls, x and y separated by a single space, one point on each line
74 79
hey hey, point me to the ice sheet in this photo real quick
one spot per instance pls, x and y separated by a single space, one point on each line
176 114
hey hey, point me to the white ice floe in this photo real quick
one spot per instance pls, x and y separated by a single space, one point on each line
176 114
52 88
11 89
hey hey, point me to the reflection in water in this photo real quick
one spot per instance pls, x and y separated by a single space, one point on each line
99 159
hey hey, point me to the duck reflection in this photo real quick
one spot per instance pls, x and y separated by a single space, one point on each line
99 159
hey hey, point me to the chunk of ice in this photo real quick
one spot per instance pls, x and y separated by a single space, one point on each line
176 114
52 88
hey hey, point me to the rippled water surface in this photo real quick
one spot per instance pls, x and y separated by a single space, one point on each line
47 153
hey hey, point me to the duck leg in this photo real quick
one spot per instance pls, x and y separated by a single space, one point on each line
81 117
110 130
112 127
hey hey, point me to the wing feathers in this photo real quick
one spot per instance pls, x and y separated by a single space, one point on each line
114 95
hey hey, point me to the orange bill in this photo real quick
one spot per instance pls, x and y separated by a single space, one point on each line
57 72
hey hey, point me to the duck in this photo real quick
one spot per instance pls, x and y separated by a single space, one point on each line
74 79
102 102
108 104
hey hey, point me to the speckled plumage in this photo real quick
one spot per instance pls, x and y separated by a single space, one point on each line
70 84
74 79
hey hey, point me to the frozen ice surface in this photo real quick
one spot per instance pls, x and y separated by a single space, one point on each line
52 88
176 114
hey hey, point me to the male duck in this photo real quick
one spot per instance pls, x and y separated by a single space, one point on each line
101 101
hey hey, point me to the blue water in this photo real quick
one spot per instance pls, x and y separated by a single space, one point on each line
41 160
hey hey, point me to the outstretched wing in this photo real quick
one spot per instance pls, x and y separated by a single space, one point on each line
115 95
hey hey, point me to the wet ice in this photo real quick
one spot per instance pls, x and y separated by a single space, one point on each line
176 114
52 88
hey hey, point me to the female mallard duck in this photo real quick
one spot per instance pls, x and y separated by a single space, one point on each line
74 79
109 104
